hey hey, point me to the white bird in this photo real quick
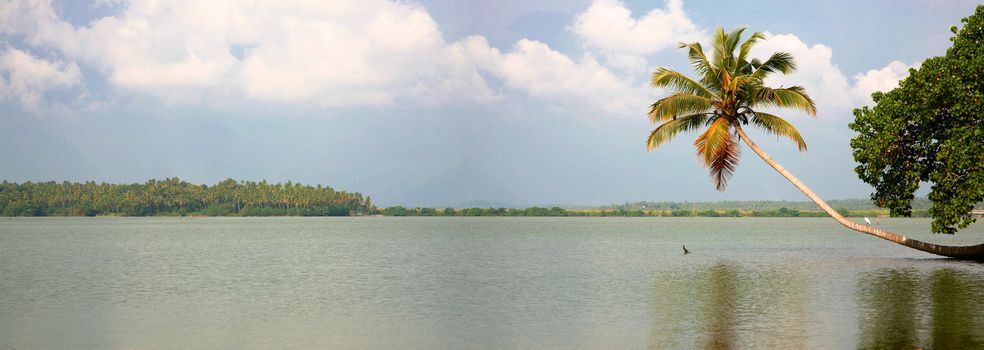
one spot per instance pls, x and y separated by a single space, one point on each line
867 220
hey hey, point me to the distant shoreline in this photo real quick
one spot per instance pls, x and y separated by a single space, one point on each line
528 212
560 212
173 197
807 215
497 212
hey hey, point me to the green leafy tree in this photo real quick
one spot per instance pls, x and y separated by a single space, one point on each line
930 129
395 211
710 213
729 94
472 212
843 211
681 213
786 212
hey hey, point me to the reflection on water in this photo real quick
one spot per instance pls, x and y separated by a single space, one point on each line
889 310
479 283
905 309
724 306
720 307
956 322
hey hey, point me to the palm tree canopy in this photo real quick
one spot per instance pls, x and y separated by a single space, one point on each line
729 93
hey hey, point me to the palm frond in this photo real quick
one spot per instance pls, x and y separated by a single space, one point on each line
712 80
731 41
744 83
665 132
781 62
703 66
718 151
678 104
664 77
707 143
724 45
724 162
746 47
780 127
697 58
719 42
755 62
792 97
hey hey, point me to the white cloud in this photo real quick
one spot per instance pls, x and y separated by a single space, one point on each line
26 78
833 92
379 52
607 25
815 71
608 28
542 72
884 79
337 53
459 71
343 56
532 67
33 18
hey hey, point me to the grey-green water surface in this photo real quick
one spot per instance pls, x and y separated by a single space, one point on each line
480 283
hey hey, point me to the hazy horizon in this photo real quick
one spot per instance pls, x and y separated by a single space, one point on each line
430 103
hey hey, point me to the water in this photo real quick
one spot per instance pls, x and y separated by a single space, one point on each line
480 283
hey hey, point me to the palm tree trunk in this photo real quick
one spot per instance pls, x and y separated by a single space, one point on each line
974 252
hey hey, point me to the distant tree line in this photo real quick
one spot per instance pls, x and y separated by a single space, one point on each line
759 205
173 197
532 211
621 212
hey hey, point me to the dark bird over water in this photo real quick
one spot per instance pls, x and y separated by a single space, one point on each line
685 251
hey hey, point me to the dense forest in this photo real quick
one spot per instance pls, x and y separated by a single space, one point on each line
173 197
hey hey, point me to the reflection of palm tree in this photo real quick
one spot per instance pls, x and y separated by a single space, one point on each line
696 309
721 307
706 309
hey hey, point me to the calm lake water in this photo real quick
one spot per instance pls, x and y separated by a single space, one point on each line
480 283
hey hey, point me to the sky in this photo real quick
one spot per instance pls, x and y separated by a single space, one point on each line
431 102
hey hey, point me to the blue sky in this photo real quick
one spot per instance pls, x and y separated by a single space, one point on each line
429 103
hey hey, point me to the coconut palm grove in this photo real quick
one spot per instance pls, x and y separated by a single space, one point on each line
175 197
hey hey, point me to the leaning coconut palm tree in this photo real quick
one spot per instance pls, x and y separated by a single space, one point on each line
730 94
